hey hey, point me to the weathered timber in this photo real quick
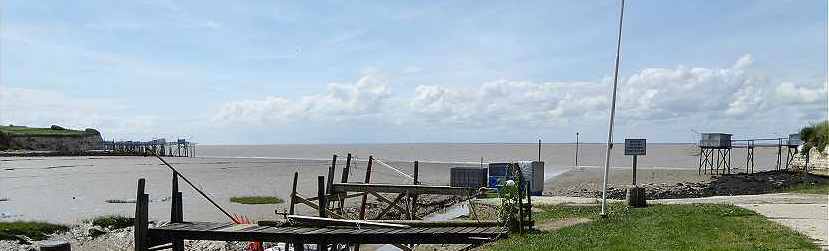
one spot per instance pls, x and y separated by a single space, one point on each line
414 235
411 189
298 220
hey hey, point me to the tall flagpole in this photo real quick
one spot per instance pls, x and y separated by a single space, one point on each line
612 113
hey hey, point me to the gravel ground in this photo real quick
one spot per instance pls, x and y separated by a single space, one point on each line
733 184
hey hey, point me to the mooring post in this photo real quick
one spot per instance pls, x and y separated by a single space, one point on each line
293 194
141 218
365 195
322 206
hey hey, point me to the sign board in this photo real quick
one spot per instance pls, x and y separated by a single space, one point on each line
635 146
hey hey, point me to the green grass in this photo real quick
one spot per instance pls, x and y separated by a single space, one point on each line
253 200
32 131
112 221
31 229
822 188
659 227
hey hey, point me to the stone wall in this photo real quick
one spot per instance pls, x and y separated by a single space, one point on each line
817 160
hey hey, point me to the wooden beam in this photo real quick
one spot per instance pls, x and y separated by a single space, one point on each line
411 189
301 200
319 221
390 206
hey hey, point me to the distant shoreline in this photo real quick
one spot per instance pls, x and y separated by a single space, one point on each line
62 154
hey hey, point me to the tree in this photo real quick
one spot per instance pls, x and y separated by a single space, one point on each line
815 136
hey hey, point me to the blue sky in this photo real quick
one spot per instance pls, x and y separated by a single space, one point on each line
454 71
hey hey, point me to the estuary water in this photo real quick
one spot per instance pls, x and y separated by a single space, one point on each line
70 189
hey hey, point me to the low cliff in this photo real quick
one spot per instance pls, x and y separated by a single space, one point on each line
55 138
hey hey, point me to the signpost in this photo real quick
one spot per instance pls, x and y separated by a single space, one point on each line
636 194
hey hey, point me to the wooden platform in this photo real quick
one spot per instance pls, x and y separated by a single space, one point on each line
253 232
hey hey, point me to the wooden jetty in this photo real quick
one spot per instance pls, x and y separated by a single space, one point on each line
715 152
178 148
331 229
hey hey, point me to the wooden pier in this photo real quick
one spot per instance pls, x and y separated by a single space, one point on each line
178 148
715 158
332 228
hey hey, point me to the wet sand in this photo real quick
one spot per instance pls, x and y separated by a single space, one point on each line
70 189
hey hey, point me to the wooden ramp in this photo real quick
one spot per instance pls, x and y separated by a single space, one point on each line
343 235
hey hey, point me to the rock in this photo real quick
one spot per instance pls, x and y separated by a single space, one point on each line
95 232
57 127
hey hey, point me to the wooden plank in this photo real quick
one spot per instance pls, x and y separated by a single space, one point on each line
411 189
299 219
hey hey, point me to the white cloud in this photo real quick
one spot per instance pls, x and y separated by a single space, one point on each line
507 102
341 102
651 94
791 93
661 93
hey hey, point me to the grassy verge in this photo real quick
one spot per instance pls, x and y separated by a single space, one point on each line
31 229
112 221
659 227
821 188
254 200
33 131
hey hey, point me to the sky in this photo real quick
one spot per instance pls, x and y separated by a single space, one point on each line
301 72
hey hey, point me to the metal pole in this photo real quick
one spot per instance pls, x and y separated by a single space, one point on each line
612 113
539 149
634 170
577 150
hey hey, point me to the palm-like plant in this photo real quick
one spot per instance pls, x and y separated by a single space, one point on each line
815 136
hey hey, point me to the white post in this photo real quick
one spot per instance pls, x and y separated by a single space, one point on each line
612 113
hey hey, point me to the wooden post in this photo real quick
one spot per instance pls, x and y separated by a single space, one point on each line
520 183
365 195
346 169
293 194
413 198
331 171
176 212
141 218
344 180
322 246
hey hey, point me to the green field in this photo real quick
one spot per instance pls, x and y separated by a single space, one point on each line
819 188
32 131
254 200
35 230
659 227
